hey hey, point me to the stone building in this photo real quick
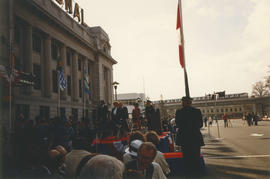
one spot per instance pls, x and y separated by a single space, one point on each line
43 34
129 99
234 105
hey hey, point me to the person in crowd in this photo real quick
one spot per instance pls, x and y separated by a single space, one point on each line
102 167
165 125
149 114
136 116
102 120
55 161
116 119
144 163
151 136
205 119
255 119
156 122
189 121
60 133
210 121
73 158
70 134
124 117
133 174
131 151
249 119
35 155
137 135
225 119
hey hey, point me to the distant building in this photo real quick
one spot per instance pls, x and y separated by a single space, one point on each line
129 99
43 35
235 105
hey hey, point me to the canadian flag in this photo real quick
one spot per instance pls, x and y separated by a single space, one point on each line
179 29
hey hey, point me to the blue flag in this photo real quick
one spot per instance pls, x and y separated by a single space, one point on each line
61 80
86 83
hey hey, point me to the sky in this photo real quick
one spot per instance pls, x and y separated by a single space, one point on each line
227 44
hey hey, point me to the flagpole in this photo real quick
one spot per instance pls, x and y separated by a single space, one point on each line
58 108
83 91
10 76
183 45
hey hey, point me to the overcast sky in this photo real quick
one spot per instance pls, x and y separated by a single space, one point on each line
227 44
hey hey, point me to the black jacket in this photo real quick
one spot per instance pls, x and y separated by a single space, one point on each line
189 121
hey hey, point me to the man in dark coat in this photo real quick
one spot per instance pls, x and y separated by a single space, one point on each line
124 116
116 115
189 121
149 114
102 121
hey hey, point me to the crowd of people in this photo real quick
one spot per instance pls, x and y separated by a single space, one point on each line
61 147
249 118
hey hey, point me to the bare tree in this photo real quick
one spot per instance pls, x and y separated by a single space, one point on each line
267 81
259 89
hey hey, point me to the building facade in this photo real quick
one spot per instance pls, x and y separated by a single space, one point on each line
129 99
42 37
234 105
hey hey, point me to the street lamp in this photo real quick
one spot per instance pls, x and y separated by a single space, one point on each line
115 88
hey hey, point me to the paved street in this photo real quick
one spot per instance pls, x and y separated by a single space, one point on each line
241 151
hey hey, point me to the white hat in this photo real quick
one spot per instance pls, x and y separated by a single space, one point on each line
134 147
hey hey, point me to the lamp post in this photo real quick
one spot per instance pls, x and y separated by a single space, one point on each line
115 89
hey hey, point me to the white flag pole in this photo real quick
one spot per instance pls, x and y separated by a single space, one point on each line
183 46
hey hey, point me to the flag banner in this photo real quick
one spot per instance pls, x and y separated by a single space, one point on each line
61 80
179 28
86 83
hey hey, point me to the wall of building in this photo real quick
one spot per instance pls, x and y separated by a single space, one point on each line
46 24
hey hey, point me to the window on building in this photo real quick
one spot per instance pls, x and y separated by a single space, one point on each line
79 64
44 111
55 81
37 73
23 109
74 112
240 109
212 110
231 110
36 43
203 111
62 112
235 109
68 58
217 110
80 88
54 50
69 85
207 110
226 110
222 110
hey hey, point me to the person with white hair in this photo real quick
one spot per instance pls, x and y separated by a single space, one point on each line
103 167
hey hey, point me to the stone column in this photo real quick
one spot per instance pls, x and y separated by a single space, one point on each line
63 56
28 61
47 72
96 79
75 86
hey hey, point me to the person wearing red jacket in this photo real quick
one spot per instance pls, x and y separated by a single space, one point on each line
136 116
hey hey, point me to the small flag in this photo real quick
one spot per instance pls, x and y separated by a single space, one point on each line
179 28
62 81
86 83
